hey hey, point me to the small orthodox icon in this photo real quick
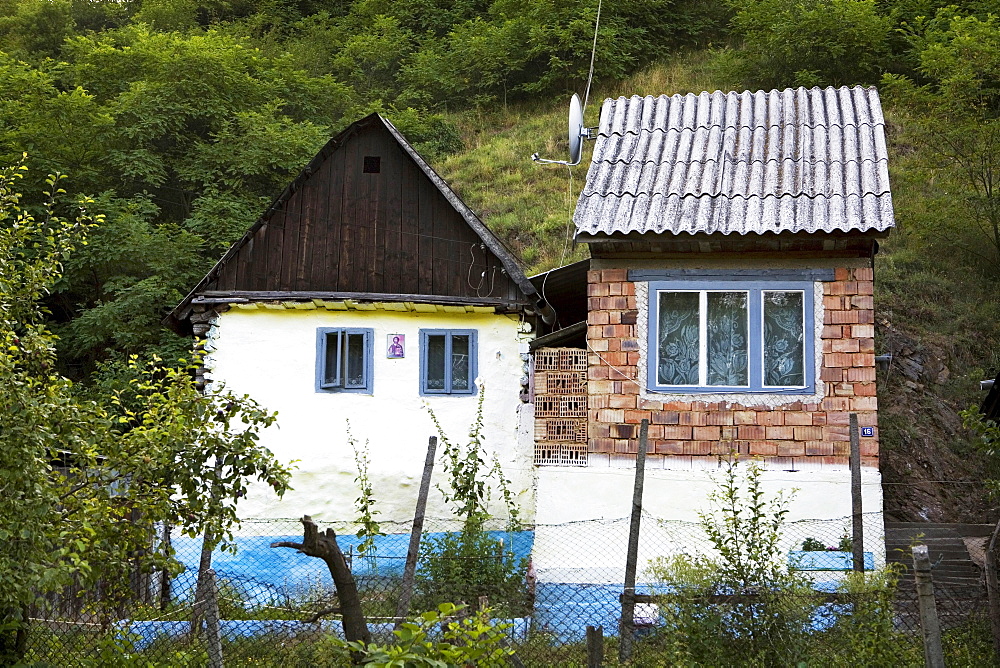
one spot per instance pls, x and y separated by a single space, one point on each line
397 346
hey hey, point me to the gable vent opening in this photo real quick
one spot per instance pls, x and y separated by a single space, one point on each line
373 164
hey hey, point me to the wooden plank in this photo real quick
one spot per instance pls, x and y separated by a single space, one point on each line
285 295
335 211
349 260
426 195
290 246
392 198
307 210
375 146
316 265
409 212
274 240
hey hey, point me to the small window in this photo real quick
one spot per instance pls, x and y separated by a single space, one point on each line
344 360
733 337
373 164
447 361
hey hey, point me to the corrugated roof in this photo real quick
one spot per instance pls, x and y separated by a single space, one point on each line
795 160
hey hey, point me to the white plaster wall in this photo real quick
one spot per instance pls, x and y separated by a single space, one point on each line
583 515
271 356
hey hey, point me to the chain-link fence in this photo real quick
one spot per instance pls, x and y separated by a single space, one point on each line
546 583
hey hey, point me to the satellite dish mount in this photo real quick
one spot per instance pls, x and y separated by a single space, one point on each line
576 133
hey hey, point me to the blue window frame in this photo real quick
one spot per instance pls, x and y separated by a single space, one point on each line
448 361
344 359
731 336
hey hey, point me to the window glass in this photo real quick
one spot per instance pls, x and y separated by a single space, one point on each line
355 360
679 339
331 366
727 338
784 354
460 362
434 371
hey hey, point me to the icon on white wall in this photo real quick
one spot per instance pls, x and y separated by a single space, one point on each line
396 346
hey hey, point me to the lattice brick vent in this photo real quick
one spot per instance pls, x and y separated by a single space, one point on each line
560 407
560 454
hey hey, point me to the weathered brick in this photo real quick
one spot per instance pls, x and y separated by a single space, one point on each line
839 360
842 389
633 358
851 287
745 417
831 404
623 431
865 287
864 389
863 360
720 417
793 418
601 445
609 275
833 288
841 449
613 415
593 276
696 418
628 288
596 401
631 345
621 401
834 302
698 448
654 431
867 418
597 289
864 274
629 317
637 416
708 433
869 447
818 419
841 317
831 374
667 447
778 433
836 433
750 432
832 331
808 433
791 449
597 372
626 447
598 318
676 405
867 345
599 345
728 433
862 331
863 302
763 448
845 345
818 448
842 274
600 387
614 345
666 417
677 432
615 289
864 403
770 418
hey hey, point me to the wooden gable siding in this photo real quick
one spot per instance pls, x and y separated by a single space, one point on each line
388 233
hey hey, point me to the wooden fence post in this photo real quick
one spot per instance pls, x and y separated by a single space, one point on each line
993 590
625 631
213 632
595 646
857 515
410 570
933 654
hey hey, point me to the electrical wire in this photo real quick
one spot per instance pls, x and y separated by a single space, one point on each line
593 52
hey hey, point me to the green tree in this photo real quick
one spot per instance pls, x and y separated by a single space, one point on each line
72 468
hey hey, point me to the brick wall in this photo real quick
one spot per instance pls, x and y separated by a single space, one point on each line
813 429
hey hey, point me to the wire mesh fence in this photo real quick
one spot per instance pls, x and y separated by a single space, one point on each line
545 583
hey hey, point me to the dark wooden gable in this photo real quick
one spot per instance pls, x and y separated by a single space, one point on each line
368 216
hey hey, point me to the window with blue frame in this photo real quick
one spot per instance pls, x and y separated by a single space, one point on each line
448 361
731 336
344 359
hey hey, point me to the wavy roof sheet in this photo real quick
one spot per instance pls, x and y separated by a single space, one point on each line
794 160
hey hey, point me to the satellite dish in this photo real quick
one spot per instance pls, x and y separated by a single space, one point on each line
576 133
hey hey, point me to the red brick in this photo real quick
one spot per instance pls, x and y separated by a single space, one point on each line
831 374
614 345
595 401
654 431
635 416
610 275
862 331
841 317
666 417
763 448
593 276
845 345
750 432
597 289
818 419
833 302
728 433
864 274
867 345
614 303
622 401
614 317
625 447
868 419
598 430
677 432
863 360
842 389
864 389
670 447
865 288
864 404
598 318
745 417
836 433
697 418
805 433
613 415
771 418
838 360
676 405
698 448
778 433
869 448
598 372
710 433
630 345
842 449
818 448
835 461
598 345
831 404
798 418
851 288
791 449
832 331
628 288
863 302
721 448
720 417
615 289
601 445
842 274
